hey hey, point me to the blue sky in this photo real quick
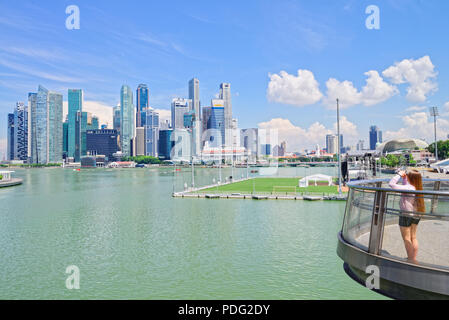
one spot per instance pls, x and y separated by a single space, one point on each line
164 44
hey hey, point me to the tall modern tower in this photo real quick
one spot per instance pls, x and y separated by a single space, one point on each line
127 123
10 137
194 95
75 102
21 132
142 103
32 104
179 107
225 95
151 133
375 136
48 127
216 123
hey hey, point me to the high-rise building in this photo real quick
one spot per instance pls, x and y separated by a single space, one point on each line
194 95
225 95
216 124
32 143
331 143
359 145
151 133
165 143
375 136
116 119
181 145
140 141
20 147
75 105
65 138
142 103
48 127
102 142
178 108
10 138
249 139
127 123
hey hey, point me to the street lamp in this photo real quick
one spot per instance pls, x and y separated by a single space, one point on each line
339 148
434 113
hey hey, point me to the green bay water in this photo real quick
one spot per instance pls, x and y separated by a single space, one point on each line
132 240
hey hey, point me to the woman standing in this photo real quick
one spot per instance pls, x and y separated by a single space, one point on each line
409 204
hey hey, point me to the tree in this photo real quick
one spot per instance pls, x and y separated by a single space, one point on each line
443 149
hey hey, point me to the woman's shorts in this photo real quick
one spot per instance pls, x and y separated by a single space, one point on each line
407 221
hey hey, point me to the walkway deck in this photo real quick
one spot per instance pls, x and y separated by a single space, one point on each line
432 237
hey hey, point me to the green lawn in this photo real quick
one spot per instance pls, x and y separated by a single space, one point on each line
267 185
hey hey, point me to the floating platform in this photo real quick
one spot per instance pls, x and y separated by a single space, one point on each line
10 183
256 197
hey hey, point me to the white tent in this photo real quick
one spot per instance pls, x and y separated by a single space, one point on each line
304 182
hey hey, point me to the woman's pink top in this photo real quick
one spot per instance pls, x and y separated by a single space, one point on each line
407 201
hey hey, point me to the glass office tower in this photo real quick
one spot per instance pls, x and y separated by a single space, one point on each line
127 124
49 137
75 102
151 133
142 103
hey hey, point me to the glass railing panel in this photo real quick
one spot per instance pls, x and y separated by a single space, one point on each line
432 229
357 224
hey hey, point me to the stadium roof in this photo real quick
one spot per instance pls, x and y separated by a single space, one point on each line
401 144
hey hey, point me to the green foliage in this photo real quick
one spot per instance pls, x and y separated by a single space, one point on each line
143 159
392 160
443 149
1 177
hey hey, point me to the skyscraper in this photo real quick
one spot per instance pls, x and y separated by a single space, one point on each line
165 143
151 133
21 132
48 127
216 126
331 143
102 142
178 108
225 95
375 136
116 119
142 103
10 138
32 144
249 139
194 95
127 123
75 105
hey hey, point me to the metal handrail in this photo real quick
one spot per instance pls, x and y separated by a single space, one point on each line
358 185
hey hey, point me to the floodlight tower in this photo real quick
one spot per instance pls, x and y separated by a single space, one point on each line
434 113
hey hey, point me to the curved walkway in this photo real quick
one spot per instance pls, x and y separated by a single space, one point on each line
10 183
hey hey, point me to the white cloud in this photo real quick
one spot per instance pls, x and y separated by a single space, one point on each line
164 114
415 108
298 90
375 91
298 138
446 106
345 91
419 125
102 111
419 74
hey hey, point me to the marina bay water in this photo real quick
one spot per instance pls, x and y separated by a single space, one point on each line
131 240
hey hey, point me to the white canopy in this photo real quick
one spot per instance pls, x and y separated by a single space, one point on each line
304 182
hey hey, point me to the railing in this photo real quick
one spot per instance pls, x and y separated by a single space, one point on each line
372 215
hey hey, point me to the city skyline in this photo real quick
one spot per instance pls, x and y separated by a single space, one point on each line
301 60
